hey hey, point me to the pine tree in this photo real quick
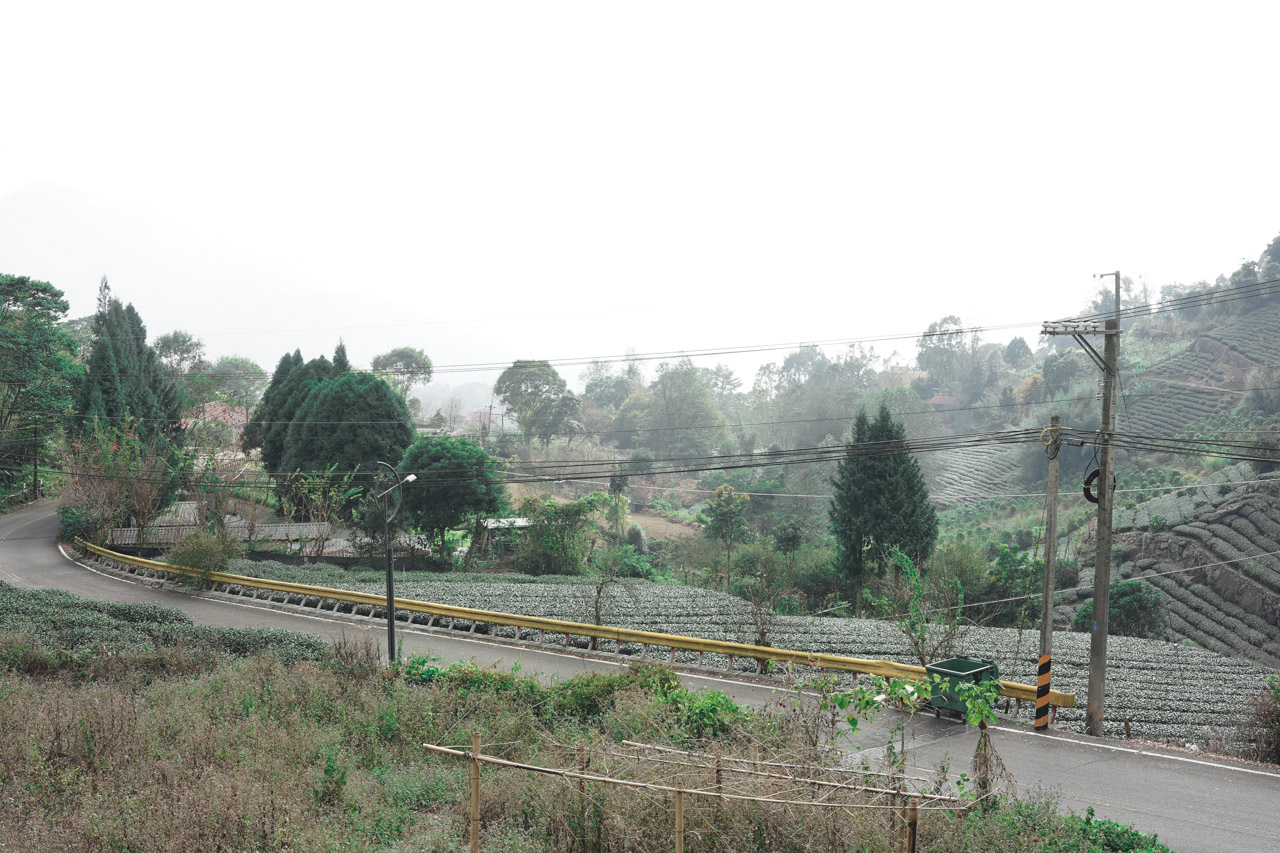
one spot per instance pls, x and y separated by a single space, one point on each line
272 399
291 396
880 502
125 380
352 421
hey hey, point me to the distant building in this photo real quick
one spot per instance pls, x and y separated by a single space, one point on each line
217 411
943 402
496 535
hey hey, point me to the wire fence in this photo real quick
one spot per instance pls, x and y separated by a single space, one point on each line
638 796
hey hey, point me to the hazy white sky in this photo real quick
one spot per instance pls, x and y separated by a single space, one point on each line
543 180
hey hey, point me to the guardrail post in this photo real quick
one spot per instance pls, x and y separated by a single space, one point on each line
1043 678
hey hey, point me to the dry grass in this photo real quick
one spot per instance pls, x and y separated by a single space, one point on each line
254 754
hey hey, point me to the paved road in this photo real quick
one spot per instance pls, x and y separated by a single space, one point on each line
1197 804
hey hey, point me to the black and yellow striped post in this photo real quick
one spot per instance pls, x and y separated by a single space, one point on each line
1042 693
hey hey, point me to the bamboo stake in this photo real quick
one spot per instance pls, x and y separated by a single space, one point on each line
475 793
718 788
582 799
679 821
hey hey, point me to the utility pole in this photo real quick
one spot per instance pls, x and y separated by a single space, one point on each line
1093 714
387 515
1109 362
1044 677
35 460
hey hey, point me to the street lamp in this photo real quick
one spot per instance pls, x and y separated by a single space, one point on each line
387 513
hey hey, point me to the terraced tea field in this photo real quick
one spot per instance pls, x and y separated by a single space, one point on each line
1168 691
1256 336
1213 550
975 473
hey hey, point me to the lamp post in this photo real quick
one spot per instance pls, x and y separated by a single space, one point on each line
387 514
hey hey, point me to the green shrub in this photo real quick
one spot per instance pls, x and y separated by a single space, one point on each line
204 552
79 523
1106 836
706 715
1066 574
421 669
625 560
654 677
1260 733
1137 610
585 697
636 539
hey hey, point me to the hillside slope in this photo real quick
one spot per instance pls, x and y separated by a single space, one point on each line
1213 551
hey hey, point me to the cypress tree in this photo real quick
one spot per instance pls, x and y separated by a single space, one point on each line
125 381
880 501
293 393
352 421
272 400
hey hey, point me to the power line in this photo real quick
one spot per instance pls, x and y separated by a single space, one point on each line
1193 300
787 422
1032 595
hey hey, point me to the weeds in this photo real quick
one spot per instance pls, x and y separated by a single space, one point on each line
219 751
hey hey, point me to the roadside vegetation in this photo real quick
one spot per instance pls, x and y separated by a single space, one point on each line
185 742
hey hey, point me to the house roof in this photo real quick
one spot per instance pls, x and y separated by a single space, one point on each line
506 523
216 410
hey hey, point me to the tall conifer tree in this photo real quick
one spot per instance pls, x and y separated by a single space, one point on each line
880 501
125 380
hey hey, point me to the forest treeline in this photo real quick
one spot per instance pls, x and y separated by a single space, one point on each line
132 425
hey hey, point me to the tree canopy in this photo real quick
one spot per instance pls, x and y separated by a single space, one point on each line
126 380
352 420
402 368
290 387
238 379
726 514
37 366
523 387
880 501
456 480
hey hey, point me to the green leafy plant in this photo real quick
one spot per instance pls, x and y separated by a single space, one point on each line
204 552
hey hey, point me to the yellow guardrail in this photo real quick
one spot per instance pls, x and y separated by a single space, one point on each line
883 668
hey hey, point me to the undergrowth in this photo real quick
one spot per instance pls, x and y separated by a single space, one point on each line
208 742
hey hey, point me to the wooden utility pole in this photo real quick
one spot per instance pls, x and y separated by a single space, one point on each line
1093 714
1109 363
1044 676
35 460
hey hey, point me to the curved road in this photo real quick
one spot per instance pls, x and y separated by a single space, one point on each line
1197 804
